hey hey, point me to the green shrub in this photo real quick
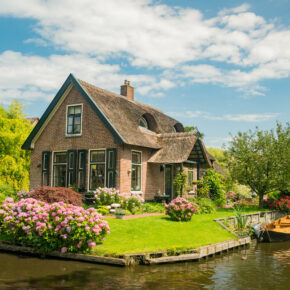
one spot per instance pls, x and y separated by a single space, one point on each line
103 210
152 207
205 205
274 195
6 191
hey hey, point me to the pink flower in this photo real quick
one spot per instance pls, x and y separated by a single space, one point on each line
56 219
63 250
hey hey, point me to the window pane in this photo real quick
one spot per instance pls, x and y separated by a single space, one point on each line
98 156
143 123
81 160
70 179
44 178
44 161
59 175
77 129
190 177
78 119
71 110
136 157
81 180
70 121
71 160
60 157
78 109
97 178
136 178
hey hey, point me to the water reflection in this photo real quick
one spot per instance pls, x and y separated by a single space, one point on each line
259 266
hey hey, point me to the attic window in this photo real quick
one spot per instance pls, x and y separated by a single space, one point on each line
74 120
143 123
178 127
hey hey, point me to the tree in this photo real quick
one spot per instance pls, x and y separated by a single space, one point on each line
193 128
260 159
219 156
14 129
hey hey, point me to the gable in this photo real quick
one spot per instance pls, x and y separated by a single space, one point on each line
70 82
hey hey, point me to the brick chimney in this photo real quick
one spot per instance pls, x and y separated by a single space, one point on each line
127 90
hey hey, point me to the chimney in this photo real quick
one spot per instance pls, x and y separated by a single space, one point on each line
127 90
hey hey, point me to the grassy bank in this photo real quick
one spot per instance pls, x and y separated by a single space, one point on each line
159 233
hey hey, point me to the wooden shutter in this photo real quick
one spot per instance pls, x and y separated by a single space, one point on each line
45 168
81 170
111 167
71 168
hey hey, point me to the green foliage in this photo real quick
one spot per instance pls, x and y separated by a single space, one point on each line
6 191
274 194
212 184
206 206
103 210
193 128
179 181
241 219
15 162
153 207
219 156
261 160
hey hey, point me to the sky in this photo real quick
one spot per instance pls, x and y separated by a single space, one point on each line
222 66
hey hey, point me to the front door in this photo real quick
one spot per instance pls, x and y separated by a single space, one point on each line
168 180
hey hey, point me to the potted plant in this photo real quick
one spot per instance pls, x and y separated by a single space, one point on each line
120 213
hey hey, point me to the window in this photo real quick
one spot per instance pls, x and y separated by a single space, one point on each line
143 123
45 168
136 171
74 120
71 170
190 176
82 169
97 168
59 169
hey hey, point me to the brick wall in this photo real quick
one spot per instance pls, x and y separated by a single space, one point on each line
94 136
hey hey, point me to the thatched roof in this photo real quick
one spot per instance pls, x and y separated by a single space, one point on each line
125 114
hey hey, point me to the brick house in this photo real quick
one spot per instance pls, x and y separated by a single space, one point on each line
89 137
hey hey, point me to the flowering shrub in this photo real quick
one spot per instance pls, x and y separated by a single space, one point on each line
232 196
107 196
56 194
282 204
128 201
48 227
181 209
241 203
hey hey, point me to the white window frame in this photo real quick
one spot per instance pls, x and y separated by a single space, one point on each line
137 191
52 175
89 167
78 134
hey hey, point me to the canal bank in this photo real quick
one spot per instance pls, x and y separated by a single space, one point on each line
259 266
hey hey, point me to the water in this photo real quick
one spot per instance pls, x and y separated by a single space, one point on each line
260 266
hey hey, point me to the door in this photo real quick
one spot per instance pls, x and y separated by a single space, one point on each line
168 180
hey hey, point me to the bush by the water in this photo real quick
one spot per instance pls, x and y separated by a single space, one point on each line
205 205
56 194
180 209
282 204
127 201
47 227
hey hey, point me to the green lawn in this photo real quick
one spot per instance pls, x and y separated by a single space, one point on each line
159 233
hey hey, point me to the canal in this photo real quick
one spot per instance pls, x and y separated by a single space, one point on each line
259 266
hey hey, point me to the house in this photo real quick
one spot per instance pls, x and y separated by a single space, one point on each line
89 137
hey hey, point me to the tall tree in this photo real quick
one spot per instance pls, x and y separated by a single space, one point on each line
258 159
14 129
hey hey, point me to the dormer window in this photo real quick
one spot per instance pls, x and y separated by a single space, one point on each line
143 123
74 120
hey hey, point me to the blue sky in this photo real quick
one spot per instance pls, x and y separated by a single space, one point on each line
223 66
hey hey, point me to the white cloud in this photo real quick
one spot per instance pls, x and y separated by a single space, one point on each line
227 117
149 35
30 78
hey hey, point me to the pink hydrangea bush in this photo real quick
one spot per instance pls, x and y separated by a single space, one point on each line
128 201
180 209
47 227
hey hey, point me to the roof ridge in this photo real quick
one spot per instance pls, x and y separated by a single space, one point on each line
178 134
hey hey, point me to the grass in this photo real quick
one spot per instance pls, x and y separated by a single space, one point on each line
159 233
